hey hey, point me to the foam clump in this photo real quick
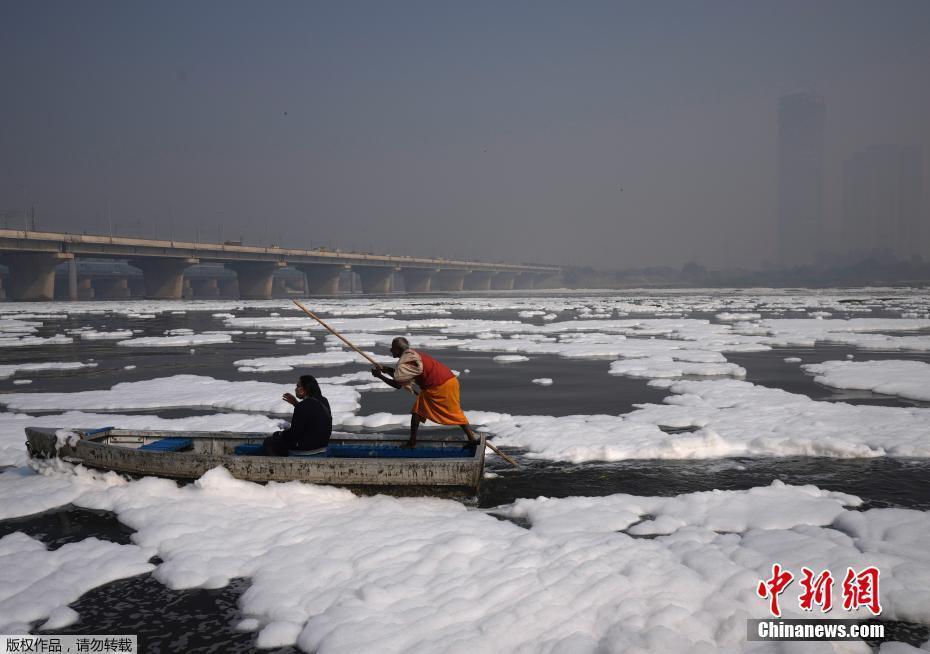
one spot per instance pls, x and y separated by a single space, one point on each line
61 617
91 335
53 484
668 367
727 421
7 371
717 510
32 341
737 317
791 424
182 340
855 332
510 358
908 379
36 583
333 572
181 391
291 362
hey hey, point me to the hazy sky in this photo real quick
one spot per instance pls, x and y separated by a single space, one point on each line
613 134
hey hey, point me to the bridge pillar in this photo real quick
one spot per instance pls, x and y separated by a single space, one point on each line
478 280
85 288
72 280
163 278
324 278
525 281
303 284
32 275
279 287
418 280
110 288
206 288
450 279
256 278
503 281
549 280
375 279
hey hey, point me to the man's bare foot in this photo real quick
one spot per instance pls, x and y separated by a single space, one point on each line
410 444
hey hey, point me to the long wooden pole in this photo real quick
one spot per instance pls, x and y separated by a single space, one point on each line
500 454
338 335
379 367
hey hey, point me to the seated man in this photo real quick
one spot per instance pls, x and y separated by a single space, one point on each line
311 425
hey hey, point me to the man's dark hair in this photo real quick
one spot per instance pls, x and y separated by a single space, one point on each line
402 343
311 386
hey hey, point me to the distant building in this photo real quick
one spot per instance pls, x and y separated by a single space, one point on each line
800 177
882 193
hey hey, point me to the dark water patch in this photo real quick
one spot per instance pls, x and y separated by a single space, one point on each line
879 482
69 524
520 521
213 360
868 398
911 633
579 387
196 620
677 430
906 332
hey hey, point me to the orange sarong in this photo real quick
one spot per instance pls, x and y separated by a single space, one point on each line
441 404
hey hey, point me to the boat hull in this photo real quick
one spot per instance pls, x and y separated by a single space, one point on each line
119 451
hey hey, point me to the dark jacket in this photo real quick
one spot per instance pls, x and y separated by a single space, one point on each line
311 425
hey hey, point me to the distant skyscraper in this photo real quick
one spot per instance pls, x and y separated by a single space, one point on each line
882 189
800 177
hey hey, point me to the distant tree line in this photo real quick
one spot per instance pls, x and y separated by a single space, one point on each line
878 269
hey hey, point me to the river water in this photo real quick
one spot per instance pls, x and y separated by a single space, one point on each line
203 620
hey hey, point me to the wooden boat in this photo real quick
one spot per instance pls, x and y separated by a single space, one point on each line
366 462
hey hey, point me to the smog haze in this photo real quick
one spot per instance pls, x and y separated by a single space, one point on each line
598 133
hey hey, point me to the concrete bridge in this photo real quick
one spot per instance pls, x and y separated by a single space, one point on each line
33 256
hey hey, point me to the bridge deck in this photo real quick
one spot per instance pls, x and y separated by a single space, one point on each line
12 241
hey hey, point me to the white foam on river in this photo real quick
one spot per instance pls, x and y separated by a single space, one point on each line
182 391
908 379
332 572
7 371
36 583
33 341
293 361
91 335
181 340
725 416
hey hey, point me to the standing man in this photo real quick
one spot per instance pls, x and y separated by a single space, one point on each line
439 388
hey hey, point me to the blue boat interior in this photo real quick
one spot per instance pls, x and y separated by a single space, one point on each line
168 445
349 451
